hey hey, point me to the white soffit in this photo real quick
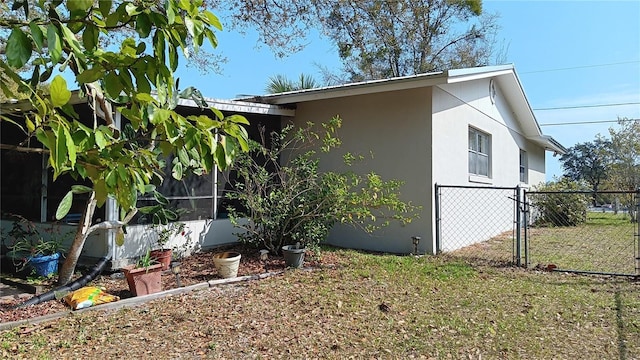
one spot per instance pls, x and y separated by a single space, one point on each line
238 106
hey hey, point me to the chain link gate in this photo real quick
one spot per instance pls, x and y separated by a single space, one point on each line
583 232
479 223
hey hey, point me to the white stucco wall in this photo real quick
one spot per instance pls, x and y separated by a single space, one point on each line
203 235
456 108
199 235
394 127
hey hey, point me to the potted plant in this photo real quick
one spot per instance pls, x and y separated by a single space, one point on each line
164 225
284 203
144 277
165 233
32 251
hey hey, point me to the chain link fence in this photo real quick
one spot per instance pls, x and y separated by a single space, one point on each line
573 231
583 231
478 223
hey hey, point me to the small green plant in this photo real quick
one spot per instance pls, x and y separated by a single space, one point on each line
169 231
146 260
26 241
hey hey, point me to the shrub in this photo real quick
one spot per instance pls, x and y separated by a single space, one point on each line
559 203
287 200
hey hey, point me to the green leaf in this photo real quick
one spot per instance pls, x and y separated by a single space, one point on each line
43 138
112 178
178 171
183 156
101 141
101 191
171 14
18 49
64 206
132 9
212 19
90 75
105 7
31 127
220 158
70 38
37 35
170 214
79 5
143 25
59 92
120 233
54 43
160 198
145 97
149 209
113 86
159 46
61 150
90 36
173 57
80 189
238 119
71 146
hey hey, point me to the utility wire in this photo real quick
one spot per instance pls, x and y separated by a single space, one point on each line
589 122
580 67
586 106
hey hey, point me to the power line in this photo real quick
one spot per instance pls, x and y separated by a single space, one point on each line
586 106
589 122
580 67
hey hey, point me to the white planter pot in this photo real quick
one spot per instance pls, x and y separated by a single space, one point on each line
227 263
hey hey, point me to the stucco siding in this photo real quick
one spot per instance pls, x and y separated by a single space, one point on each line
395 128
456 108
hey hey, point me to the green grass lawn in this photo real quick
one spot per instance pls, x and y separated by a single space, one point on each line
369 306
604 243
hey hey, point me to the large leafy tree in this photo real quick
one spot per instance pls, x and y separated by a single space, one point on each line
136 77
624 172
378 38
588 162
625 148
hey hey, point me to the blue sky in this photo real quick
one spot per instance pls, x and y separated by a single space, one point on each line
566 53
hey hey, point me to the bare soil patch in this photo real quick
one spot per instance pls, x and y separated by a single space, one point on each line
195 269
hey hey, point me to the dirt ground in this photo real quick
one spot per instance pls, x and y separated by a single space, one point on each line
195 269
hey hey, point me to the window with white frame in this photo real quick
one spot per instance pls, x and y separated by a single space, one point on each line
479 153
524 167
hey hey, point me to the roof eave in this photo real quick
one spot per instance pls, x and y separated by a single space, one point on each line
549 144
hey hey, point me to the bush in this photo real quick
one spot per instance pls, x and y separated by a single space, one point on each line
286 200
559 203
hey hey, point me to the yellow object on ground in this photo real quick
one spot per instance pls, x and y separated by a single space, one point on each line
88 296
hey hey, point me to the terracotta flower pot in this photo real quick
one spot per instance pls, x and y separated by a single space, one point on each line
162 256
144 280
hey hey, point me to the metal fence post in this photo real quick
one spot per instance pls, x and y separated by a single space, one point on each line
637 234
518 224
525 209
438 248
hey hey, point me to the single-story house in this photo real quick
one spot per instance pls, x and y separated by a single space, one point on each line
457 127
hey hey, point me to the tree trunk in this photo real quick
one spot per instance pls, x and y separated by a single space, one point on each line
69 266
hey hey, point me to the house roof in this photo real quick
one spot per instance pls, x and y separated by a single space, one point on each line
236 106
505 76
